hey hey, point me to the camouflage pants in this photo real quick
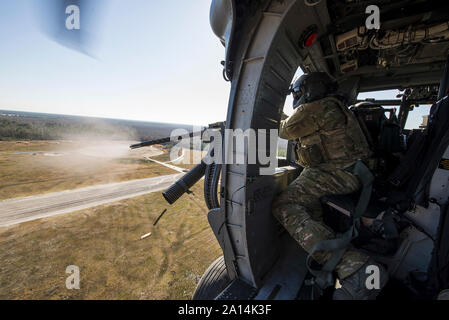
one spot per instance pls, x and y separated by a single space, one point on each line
299 210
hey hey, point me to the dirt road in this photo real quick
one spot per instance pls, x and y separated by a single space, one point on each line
35 207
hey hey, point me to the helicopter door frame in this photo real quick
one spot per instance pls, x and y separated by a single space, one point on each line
265 60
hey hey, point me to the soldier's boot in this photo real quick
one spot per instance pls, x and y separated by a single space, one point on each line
355 286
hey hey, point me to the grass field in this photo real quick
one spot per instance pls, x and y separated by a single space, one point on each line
36 167
104 242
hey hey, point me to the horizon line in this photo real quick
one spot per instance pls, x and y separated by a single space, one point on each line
99 117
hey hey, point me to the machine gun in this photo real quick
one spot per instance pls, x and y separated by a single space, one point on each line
212 171
148 143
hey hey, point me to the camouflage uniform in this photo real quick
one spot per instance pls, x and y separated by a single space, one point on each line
329 140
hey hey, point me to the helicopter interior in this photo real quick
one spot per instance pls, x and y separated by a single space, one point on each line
265 43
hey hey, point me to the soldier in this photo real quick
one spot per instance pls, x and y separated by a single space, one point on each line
329 140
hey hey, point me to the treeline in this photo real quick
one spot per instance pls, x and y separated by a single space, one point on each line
53 130
37 126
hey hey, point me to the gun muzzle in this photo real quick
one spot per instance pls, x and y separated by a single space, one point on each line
176 190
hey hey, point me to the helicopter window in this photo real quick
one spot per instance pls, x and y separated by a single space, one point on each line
288 104
417 117
282 148
379 95
284 145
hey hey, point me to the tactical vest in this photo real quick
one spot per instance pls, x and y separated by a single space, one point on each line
339 146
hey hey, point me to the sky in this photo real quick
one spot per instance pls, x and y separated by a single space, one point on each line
149 60
154 61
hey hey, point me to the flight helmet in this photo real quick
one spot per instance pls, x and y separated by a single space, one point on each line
312 86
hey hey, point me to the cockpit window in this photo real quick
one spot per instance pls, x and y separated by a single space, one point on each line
417 117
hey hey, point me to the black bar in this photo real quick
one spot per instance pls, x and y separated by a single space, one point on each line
160 216
444 82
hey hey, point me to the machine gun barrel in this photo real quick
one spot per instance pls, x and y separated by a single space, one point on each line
176 190
162 140
216 125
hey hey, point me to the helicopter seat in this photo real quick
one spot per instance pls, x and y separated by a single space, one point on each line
381 237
